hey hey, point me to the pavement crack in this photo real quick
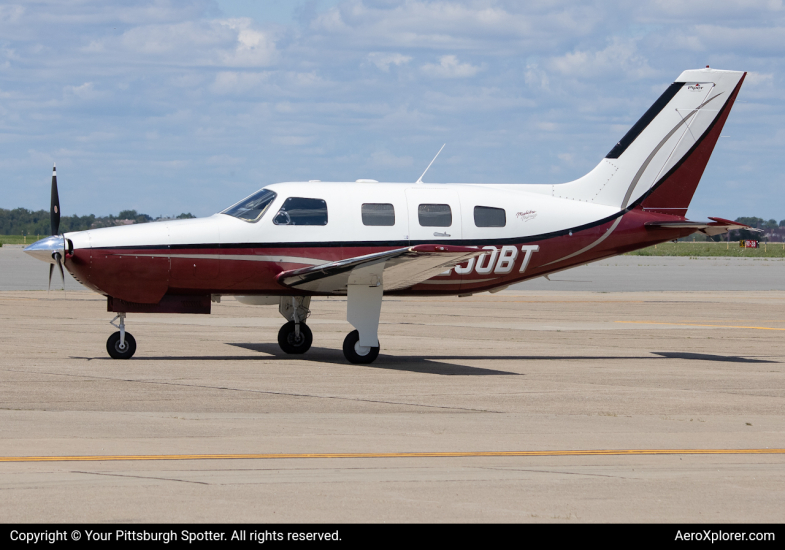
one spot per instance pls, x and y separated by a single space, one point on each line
139 477
553 472
266 392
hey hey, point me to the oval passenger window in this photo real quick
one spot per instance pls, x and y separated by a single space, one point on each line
378 214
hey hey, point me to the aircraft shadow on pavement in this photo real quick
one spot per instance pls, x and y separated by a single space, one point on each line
435 364
425 365
709 357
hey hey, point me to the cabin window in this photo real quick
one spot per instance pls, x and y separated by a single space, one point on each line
435 215
378 214
302 211
252 208
485 216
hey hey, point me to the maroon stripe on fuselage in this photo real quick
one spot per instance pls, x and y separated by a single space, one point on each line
144 275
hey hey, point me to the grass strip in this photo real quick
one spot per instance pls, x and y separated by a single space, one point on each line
712 249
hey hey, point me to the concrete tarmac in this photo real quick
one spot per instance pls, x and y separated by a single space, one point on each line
522 370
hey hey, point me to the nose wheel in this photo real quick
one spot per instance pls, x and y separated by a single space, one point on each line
121 350
120 345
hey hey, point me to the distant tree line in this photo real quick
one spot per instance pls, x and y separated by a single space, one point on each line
21 221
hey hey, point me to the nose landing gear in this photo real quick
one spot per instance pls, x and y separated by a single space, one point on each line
295 337
121 344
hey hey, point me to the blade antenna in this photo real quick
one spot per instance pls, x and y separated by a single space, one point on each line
419 180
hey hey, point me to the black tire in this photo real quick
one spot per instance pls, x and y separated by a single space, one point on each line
289 342
114 349
350 352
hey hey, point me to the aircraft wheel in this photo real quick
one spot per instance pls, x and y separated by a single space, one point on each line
357 354
117 352
289 342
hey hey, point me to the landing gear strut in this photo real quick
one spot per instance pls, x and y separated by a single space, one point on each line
363 307
120 345
295 337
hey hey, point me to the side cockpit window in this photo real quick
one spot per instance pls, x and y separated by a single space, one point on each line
485 216
378 214
302 211
252 208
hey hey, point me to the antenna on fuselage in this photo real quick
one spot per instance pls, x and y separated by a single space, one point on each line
419 180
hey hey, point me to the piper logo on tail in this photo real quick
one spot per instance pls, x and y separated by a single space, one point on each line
695 87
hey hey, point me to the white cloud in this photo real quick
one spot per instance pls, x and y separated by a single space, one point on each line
384 60
85 91
536 77
386 159
620 56
226 43
442 24
759 79
11 13
344 85
254 48
233 82
449 67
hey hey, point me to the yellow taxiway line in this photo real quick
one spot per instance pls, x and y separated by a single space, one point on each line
696 325
597 452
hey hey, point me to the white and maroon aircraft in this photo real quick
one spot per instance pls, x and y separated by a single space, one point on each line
291 241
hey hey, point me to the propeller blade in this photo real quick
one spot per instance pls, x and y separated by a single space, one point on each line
54 208
60 267
51 268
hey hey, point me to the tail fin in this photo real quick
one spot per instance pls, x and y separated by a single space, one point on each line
659 162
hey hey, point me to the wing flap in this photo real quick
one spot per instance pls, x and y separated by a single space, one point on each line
395 269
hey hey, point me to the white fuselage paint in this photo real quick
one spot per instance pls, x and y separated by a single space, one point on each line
344 202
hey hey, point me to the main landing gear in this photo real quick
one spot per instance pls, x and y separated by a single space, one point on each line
363 308
120 345
364 305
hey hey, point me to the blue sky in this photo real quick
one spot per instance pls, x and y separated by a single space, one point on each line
171 106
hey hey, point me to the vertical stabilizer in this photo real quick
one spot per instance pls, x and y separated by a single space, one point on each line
659 162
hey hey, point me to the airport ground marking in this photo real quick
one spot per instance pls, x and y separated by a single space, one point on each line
696 325
459 454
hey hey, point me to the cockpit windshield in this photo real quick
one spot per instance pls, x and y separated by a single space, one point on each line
251 209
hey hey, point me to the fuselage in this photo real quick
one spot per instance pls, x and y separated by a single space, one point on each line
527 234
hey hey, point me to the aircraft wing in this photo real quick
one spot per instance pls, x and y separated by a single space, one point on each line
714 227
395 269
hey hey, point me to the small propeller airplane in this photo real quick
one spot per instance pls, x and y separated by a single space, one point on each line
291 241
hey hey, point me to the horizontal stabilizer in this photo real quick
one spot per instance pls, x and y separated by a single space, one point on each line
714 227
394 269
